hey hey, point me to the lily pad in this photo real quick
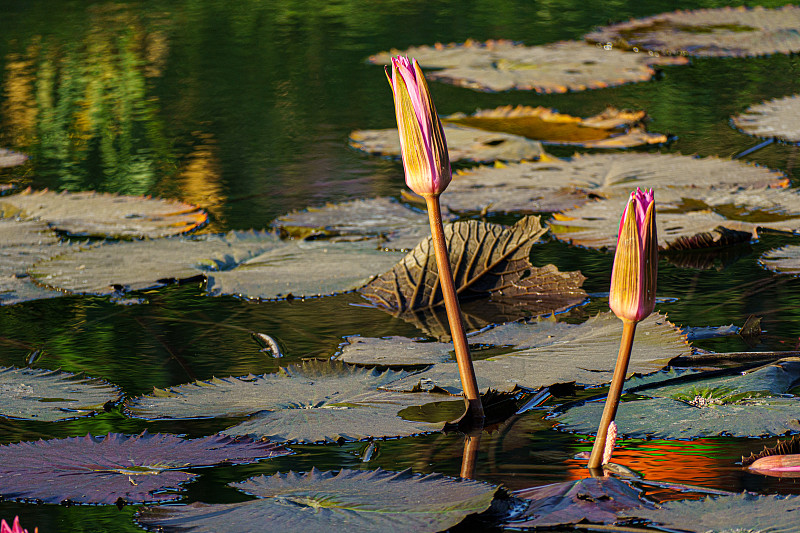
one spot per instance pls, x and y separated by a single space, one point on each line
400 226
10 158
726 514
463 144
785 260
319 502
552 68
612 128
752 404
721 32
313 401
487 260
550 352
24 244
116 468
774 119
558 185
49 395
105 215
393 351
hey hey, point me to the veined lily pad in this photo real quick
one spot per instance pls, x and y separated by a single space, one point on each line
487 260
721 32
49 395
320 502
754 404
393 351
726 514
105 215
311 402
777 118
552 68
610 129
557 185
463 144
551 352
402 227
23 244
9 158
116 468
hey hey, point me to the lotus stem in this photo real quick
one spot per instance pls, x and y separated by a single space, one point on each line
614 393
468 381
471 445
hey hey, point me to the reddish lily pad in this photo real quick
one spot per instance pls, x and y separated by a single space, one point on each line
721 32
774 119
552 68
320 502
10 158
116 468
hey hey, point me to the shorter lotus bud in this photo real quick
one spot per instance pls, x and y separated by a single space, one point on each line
611 441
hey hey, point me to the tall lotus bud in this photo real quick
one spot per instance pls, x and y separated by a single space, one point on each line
633 279
422 142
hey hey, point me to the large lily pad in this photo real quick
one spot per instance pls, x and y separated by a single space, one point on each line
400 226
313 401
610 129
393 351
785 260
752 404
726 514
10 158
47 395
553 68
321 502
777 118
23 245
116 468
551 352
105 215
463 144
557 185
721 32
487 260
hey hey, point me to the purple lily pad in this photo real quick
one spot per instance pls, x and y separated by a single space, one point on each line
116 468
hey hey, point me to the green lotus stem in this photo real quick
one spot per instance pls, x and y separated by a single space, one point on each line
614 393
471 445
468 381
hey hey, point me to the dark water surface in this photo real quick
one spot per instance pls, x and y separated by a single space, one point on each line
244 108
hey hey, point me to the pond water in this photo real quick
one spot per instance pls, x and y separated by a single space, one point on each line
244 108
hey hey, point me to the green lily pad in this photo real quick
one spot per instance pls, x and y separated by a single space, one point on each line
463 144
552 68
393 351
350 500
313 401
721 32
105 215
774 119
10 158
50 395
550 352
754 404
785 260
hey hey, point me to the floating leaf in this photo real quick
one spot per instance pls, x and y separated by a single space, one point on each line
746 512
610 129
552 68
785 260
104 214
311 402
752 404
401 226
487 260
721 32
593 500
49 395
10 158
558 185
463 144
777 118
320 502
393 351
553 352
116 468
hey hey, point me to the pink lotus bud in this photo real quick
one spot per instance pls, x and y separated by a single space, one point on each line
422 141
633 279
5 528
611 441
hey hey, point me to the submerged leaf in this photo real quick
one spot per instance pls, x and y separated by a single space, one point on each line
104 214
777 118
320 502
552 68
488 260
721 32
49 395
116 468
